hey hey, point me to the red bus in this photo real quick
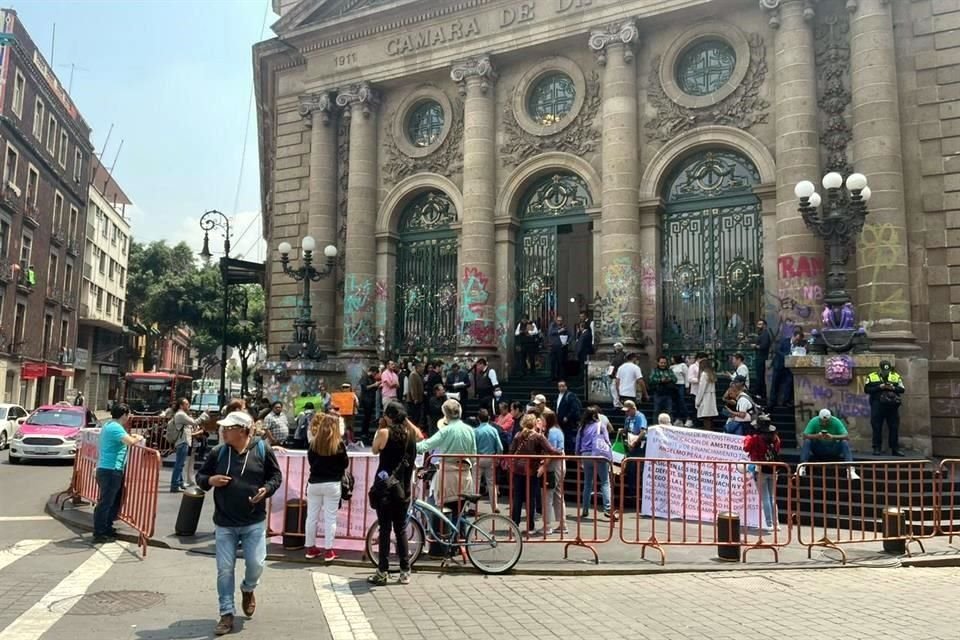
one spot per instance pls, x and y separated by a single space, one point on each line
149 395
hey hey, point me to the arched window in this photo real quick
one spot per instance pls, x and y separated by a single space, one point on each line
425 123
551 98
705 67
554 195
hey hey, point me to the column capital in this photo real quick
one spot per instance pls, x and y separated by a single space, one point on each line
480 67
853 5
619 33
360 95
321 103
772 7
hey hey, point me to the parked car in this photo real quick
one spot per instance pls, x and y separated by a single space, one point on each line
11 416
50 433
204 402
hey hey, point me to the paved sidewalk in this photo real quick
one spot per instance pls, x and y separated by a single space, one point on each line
615 556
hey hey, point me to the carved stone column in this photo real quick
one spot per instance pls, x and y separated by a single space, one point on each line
883 267
620 256
317 110
478 277
800 256
361 291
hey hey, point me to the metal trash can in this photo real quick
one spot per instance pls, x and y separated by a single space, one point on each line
894 526
728 531
189 515
295 519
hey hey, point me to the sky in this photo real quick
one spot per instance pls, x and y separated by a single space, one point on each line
174 78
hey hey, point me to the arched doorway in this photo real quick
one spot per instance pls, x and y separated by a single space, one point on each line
555 248
426 282
712 253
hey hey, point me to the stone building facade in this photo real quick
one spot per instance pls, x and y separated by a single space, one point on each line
478 160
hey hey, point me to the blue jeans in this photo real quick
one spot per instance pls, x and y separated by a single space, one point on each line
663 403
766 488
826 450
111 493
176 480
254 538
591 468
736 428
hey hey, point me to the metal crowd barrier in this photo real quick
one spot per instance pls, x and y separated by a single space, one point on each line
701 503
845 510
153 429
948 503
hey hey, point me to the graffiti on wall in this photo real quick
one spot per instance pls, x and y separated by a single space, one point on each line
364 309
882 247
799 294
621 282
286 388
478 322
598 382
845 402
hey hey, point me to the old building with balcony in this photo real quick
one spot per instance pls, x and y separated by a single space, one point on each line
101 343
46 166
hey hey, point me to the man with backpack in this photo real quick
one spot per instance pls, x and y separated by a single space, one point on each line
303 426
243 471
179 435
744 411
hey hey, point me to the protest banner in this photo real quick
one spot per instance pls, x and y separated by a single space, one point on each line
694 492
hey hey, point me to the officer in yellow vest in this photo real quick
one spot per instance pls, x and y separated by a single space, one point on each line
885 386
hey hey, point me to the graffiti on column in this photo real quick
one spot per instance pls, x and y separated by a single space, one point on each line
503 327
364 304
621 282
477 313
799 294
648 295
882 248
845 403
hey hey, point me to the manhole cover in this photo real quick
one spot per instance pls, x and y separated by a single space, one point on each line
107 603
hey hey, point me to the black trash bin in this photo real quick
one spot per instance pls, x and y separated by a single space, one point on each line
294 521
894 531
728 531
189 515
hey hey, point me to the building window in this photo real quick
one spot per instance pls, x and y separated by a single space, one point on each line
64 143
38 113
425 123
47 333
68 279
26 251
99 299
19 323
57 211
123 244
705 67
52 272
551 98
19 89
112 269
114 233
4 237
123 277
10 165
104 223
77 165
103 262
33 185
52 135
74 215
64 334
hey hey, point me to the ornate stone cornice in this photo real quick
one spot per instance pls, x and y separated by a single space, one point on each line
361 94
322 103
772 7
853 5
479 67
625 33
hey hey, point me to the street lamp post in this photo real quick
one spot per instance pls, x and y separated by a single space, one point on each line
838 221
304 344
210 220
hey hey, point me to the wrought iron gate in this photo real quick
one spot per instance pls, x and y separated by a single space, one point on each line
426 280
712 254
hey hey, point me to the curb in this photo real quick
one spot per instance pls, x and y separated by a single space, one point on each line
64 516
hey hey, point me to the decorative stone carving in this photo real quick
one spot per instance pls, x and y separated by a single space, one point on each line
311 103
446 160
773 8
834 96
343 177
478 67
580 138
743 108
625 33
363 94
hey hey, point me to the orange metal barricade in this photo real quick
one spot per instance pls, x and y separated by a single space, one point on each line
680 502
153 429
840 509
83 481
948 499
141 482
519 479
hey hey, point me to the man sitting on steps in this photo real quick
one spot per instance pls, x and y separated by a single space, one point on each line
826 439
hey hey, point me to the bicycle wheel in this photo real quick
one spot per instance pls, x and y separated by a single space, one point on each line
415 538
493 543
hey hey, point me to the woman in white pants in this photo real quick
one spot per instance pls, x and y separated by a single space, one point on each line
328 460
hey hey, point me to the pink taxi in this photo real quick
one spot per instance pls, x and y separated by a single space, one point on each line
50 433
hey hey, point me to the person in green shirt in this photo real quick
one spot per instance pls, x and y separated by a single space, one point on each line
455 438
824 439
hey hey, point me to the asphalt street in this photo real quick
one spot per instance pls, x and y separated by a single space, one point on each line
55 586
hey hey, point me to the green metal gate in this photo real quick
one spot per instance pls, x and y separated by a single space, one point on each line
426 280
712 252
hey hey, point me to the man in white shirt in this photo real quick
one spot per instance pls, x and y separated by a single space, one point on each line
741 369
629 379
523 321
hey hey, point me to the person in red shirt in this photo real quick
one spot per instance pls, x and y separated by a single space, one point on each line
504 418
389 383
764 446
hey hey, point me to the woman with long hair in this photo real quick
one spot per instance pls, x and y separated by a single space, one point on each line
328 460
706 398
764 446
594 440
526 473
396 444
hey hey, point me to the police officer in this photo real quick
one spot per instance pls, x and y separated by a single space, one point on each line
885 387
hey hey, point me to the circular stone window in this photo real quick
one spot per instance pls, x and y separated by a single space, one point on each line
551 99
425 124
705 67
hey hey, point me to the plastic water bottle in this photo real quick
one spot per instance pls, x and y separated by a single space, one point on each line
383 475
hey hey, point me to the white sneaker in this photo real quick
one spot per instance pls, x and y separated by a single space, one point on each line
802 472
688 424
852 474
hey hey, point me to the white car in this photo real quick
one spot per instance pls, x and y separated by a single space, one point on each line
11 416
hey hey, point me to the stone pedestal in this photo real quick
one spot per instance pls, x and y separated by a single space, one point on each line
812 393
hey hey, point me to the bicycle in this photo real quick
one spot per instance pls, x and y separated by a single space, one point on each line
481 539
